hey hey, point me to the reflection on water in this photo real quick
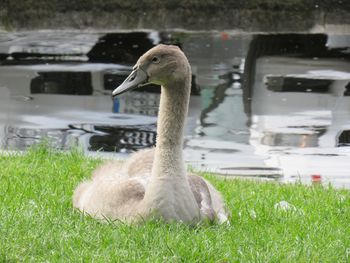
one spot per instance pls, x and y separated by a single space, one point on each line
285 83
21 138
343 139
60 82
124 139
274 106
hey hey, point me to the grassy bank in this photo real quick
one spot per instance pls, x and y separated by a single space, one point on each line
247 15
37 222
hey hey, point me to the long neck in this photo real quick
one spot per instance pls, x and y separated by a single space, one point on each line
173 110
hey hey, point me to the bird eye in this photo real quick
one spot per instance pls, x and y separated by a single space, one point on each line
155 59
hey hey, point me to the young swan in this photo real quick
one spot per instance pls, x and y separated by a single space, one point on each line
154 183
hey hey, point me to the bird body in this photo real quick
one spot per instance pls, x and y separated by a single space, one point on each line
154 182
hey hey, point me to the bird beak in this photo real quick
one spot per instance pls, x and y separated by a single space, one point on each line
137 78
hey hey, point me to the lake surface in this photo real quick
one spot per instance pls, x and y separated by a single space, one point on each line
270 106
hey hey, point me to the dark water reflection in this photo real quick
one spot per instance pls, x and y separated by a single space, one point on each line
274 106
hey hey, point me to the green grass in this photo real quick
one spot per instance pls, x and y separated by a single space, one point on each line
38 223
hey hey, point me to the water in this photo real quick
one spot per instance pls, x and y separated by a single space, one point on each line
270 106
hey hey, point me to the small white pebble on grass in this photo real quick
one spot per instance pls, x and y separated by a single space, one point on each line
285 206
32 203
252 214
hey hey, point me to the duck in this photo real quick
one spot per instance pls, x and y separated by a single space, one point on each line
154 183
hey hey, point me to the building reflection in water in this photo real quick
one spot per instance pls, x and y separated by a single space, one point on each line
58 82
296 88
260 104
343 139
125 139
17 138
